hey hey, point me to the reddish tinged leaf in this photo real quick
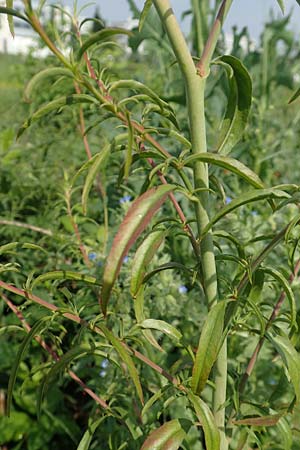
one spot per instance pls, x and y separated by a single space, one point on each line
167 437
135 222
265 421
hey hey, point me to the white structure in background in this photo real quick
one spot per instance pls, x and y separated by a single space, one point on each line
24 39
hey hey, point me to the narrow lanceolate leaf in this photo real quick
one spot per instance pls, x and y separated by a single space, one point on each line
126 358
135 222
249 197
130 142
9 5
264 421
92 173
281 5
231 164
13 12
51 72
60 102
209 345
35 330
207 421
291 359
140 317
143 257
287 289
294 96
164 327
86 439
167 437
141 88
63 275
239 103
100 36
144 13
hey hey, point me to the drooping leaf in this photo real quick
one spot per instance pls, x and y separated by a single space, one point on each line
281 5
239 103
135 222
35 330
249 197
139 87
86 439
143 257
7 248
92 173
207 421
285 433
294 96
130 142
209 346
140 317
231 164
166 266
63 275
69 100
50 72
167 437
100 36
164 327
144 13
287 289
124 355
10 5
290 357
263 421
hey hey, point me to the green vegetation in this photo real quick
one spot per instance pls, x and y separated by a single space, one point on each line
149 230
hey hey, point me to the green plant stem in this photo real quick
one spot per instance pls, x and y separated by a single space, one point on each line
195 89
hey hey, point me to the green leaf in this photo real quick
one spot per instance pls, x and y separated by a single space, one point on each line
124 355
231 164
294 96
239 103
281 5
285 433
210 342
61 365
92 173
100 36
140 317
263 421
69 100
63 275
205 417
143 257
164 327
36 329
144 13
86 439
287 289
134 223
166 266
130 142
167 437
9 5
44 74
249 197
291 359
139 87
12 12
7 248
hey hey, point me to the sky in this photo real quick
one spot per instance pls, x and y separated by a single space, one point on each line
252 13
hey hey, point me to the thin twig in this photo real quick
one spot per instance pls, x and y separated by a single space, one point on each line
16 223
54 355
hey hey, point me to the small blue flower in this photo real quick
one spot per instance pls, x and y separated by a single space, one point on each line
92 256
254 213
104 363
102 373
125 199
228 200
125 259
182 289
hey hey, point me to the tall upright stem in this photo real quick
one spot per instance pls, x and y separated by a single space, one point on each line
195 89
